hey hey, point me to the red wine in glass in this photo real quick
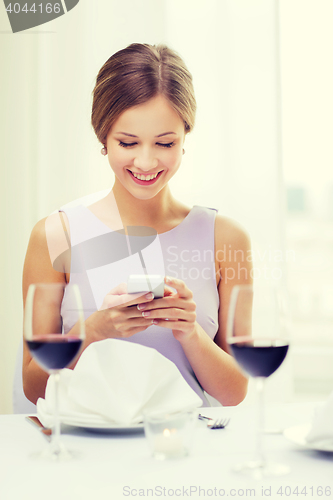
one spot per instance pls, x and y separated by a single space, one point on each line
259 357
257 335
52 345
54 351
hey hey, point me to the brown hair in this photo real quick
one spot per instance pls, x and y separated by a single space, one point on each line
134 75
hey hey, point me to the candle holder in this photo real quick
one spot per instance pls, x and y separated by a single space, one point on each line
169 435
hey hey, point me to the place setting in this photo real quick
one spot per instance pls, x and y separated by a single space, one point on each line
126 390
115 387
316 435
259 336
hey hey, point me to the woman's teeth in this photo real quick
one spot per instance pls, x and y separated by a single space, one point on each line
145 177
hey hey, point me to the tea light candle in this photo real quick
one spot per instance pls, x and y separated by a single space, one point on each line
169 435
169 443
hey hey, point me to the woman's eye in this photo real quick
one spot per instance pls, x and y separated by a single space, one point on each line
130 144
168 145
127 144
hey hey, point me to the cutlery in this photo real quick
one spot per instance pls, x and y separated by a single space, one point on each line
44 430
220 423
202 417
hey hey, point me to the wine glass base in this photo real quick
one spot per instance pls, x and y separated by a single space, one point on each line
59 454
259 470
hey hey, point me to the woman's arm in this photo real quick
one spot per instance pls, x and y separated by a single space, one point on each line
216 370
49 240
37 269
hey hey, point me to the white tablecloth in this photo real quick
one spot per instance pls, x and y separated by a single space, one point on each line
118 466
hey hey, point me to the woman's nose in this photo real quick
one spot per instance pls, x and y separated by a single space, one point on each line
145 160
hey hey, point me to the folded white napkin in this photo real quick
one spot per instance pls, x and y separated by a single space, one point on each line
321 431
115 381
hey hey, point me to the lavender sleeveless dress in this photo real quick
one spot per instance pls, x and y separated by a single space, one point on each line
185 252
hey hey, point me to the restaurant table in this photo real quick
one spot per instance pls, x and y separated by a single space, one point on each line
119 465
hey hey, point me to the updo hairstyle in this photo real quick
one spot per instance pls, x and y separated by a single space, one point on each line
134 75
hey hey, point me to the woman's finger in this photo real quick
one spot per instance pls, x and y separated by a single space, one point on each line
179 285
133 299
168 291
171 314
113 299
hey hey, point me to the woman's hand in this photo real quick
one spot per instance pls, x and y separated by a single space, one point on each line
176 310
118 316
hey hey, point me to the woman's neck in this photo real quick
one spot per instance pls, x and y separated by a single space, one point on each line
154 212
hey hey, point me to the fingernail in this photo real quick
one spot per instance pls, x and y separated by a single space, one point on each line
168 279
145 314
149 295
155 322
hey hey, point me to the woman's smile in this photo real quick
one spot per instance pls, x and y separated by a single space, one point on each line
145 180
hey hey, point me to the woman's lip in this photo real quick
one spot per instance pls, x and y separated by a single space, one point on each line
144 183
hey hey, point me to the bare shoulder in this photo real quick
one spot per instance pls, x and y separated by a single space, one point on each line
44 234
56 224
230 232
52 225
52 233
38 235
47 242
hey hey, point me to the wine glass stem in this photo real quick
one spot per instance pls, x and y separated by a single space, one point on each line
260 382
55 442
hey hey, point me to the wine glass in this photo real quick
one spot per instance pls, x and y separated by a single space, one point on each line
258 337
51 344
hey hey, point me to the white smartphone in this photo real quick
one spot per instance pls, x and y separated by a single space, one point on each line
146 283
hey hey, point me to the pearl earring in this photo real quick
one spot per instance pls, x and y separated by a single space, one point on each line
104 151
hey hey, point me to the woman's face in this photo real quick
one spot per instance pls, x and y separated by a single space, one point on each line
145 146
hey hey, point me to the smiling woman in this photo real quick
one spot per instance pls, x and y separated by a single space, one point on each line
145 159
143 107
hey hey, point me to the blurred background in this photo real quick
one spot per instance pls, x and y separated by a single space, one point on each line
261 151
